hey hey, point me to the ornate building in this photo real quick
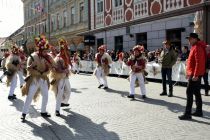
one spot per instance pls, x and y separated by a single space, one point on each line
56 18
123 23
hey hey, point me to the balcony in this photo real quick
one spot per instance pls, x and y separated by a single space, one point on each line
141 9
170 5
118 15
99 20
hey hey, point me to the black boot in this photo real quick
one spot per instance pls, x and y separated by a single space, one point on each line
100 86
64 105
185 117
57 113
144 96
131 96
197 114
206 93
170 94
12 97
163 94
23 118
45 115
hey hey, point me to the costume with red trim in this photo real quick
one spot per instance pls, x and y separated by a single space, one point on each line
38 66
59 76
76 62
103 61
137 63
12 66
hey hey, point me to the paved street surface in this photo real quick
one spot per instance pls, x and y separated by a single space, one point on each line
98 114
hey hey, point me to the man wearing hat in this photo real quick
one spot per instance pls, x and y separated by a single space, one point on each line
12 66
137 63
103 60
195 70
167 58
38 67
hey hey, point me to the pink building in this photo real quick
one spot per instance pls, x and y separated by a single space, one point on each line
123 23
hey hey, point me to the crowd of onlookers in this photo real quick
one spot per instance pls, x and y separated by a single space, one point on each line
182 55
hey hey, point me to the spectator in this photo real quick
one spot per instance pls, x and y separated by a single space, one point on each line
185 53
168 59
151 56
195 70
205 76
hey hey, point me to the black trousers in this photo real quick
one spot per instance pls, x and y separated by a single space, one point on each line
167 72
206 82
193 88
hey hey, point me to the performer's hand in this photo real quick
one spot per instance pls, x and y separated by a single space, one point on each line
195 78
133 67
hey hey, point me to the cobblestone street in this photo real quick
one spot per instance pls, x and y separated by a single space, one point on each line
98 114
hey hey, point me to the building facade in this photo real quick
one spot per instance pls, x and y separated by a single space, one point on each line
56 18
121 24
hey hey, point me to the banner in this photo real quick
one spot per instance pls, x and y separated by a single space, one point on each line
153 69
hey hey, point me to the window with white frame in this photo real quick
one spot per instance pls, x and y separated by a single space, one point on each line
100 6
64 18
117 3
72 15
81 11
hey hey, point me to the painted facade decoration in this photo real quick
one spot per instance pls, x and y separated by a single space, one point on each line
119 11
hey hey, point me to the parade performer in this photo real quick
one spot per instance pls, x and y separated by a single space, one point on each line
76 62
38 66
3 62
137 63
22 67
12 66
59 80
103 61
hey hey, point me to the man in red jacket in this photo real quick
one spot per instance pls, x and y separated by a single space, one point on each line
195 70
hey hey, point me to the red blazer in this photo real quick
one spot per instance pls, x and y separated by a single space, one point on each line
196 61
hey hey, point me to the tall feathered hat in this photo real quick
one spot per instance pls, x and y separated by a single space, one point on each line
62 43
139 48
15 49
102 48
64 50
41 43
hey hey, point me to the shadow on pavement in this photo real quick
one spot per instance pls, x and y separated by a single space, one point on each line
206 103
173 107
44 131
84 128
122 93
75 90
18 104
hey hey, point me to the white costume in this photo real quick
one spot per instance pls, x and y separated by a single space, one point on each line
12 66
137 65
102 69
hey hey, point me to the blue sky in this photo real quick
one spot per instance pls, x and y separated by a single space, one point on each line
11 16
